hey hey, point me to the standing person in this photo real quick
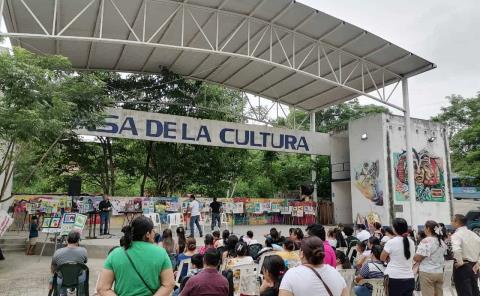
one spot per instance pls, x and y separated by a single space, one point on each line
139 267
466 252
329 254
104 207
215 207
430 254
194 209
400 251
273 270
32 236
313 277
208 282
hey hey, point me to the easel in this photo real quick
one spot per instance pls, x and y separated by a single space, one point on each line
45 242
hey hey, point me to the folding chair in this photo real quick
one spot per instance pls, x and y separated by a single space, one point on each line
155 217
245 279
262 258
184 262
174 220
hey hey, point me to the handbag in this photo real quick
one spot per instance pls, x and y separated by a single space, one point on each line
323 282
138 274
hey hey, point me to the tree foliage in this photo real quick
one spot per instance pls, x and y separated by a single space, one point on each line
462 117
41 100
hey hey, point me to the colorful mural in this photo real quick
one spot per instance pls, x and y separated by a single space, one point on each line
368 182
429 176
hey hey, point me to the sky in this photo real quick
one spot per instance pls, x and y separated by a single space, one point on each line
445 32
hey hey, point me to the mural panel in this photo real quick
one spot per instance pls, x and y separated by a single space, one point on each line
368 182
429 176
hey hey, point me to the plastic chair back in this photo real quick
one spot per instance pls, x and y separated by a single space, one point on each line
70 272
378 287
180 269
245 279
254 249
349 276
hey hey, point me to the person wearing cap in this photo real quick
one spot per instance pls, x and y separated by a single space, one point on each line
319 231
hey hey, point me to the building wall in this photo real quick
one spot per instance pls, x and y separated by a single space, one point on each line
368 168
342 202
340 156
432 175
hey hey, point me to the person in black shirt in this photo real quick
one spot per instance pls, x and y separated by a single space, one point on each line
215 207
104 207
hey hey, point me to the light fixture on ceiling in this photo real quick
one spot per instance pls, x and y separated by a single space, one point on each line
364 137
432 139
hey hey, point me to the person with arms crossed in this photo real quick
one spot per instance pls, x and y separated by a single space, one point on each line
466 252
216 209
104 207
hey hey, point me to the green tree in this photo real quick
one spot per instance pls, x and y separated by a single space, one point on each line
41 100
462 117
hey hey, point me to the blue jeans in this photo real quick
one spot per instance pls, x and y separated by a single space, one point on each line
215 220
362 291
104 220
194 220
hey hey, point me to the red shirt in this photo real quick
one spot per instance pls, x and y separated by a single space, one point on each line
207 283
330 257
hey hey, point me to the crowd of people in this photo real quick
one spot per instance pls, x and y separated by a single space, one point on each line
147 263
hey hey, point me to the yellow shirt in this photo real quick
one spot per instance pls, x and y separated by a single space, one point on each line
288 255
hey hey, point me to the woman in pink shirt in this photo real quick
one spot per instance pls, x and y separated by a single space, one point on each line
319 231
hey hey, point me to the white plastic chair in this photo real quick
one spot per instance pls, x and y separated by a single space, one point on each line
180 268
447 277
174 220
377 285
155 217
245 279
349 277
223 220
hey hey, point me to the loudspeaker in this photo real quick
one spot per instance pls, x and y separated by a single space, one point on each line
75 186
307 189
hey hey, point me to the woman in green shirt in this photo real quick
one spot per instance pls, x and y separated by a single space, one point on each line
140 267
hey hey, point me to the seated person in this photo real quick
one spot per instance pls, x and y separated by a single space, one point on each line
197 267
190 250
332 238
268 248
372 269
362 255
350 239
296 237
342 261
216 236
71 253
288 251
249 238
242 257
208 244
209 281
276 238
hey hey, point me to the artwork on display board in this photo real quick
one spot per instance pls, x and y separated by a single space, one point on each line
429 176
5 221
275 208
369 183
46 222
285 210
238 208
299 211
55 222
258 208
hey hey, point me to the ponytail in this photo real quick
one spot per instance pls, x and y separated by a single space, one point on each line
401 228
127 236
406 247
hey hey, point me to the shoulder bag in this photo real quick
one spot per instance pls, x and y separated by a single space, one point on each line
138 274
323 282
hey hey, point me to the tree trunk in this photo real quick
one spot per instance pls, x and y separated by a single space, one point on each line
147 166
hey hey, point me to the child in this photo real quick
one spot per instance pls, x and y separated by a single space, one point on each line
342 261
273 270
33 236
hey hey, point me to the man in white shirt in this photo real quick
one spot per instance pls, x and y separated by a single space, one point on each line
466 252
194 209
362 234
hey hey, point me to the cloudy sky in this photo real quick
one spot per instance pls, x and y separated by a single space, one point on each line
445 32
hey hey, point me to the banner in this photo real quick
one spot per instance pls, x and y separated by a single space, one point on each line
129 124
5 222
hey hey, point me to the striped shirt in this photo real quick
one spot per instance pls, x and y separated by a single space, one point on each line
372 269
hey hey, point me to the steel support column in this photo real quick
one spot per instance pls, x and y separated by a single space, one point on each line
314 172
408 140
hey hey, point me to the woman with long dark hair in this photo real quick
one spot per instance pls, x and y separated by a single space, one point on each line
430 254
139 267
399 251
167 241
312 277
273 270
181 240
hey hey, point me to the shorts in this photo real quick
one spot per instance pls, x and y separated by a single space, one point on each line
32 241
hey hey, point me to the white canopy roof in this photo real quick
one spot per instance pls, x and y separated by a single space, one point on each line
277 49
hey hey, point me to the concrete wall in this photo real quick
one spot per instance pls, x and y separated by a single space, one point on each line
342 202
340 156
368 167
434 194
